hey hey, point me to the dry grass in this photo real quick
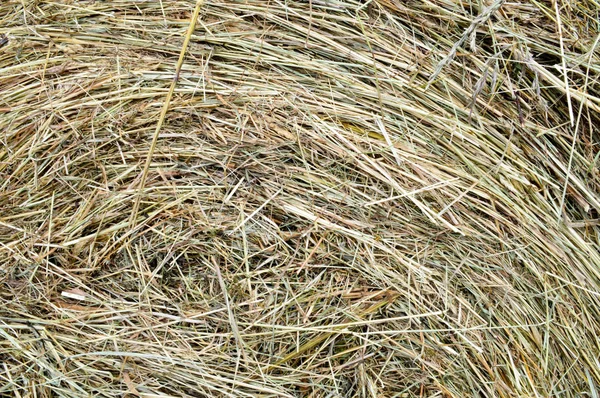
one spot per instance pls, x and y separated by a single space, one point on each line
350 198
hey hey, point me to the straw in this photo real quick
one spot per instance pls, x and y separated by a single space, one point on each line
317 198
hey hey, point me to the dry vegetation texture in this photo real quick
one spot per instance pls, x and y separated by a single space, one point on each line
348 198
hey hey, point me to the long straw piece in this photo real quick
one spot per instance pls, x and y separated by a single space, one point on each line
163 113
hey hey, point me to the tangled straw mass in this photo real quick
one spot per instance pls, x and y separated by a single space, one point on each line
299 198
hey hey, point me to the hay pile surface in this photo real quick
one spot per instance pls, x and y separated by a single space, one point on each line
317 198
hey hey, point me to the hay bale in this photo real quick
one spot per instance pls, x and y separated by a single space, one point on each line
299 198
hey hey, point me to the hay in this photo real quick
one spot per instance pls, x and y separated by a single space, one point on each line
344 198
